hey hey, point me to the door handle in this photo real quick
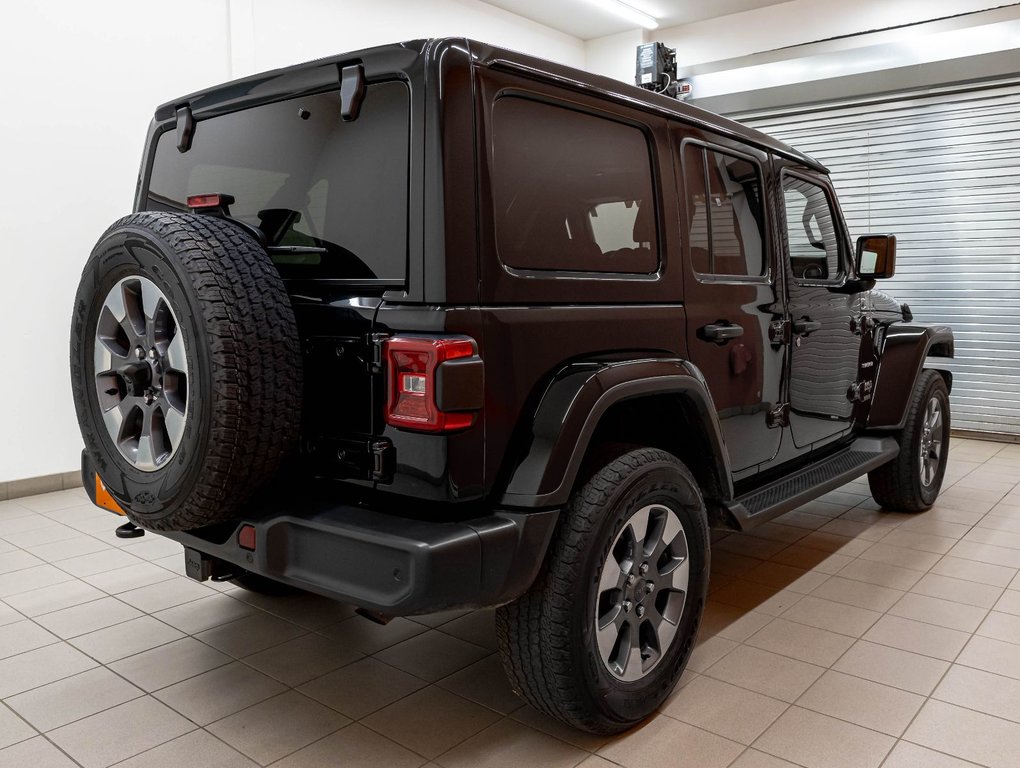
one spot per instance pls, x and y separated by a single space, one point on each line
721 331
806 326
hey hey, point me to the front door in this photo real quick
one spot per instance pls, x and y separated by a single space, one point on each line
824 349
730 292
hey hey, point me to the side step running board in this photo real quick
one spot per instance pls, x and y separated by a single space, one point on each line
810 482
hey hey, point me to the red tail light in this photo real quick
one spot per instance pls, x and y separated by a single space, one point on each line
412 366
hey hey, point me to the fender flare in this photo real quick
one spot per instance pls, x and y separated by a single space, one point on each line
905 351
570 410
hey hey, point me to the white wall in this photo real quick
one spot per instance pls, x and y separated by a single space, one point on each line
80 83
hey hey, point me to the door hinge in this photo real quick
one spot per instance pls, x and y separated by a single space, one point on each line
375 345
778 416
779 332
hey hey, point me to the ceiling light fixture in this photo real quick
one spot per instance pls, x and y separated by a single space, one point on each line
628 12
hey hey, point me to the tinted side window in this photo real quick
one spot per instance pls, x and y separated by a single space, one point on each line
811 231
725 216
571 191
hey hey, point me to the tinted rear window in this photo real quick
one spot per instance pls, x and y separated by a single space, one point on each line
571 191
306 179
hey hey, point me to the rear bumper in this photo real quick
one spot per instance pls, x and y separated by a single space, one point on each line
389 564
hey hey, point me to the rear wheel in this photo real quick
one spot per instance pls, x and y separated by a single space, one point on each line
912 481
605 632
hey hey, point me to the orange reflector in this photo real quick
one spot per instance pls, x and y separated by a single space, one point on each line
246 537
105 500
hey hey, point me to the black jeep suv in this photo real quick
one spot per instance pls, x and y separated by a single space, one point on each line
436 325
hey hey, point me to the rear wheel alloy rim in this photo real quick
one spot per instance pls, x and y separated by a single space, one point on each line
931 442
141 373
641 593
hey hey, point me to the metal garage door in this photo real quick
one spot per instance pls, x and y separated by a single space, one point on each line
942 172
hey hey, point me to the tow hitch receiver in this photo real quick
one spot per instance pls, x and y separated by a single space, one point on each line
201 567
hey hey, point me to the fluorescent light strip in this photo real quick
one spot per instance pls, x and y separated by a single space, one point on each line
628 12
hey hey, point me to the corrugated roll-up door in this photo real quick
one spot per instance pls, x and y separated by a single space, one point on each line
941 172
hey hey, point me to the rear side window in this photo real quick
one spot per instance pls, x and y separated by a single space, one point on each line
306 178
811 231
571 191
725 215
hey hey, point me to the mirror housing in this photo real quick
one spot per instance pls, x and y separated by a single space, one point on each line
876 257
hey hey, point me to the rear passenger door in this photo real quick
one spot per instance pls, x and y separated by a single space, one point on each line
734 310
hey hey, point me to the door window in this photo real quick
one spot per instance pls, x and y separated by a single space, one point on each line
814 240
725 216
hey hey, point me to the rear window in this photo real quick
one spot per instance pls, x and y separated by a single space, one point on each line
306 178
571 191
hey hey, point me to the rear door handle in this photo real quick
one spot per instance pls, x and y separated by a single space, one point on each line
722 331
806 326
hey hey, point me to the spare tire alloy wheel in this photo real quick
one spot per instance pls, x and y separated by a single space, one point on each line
141 370
185 368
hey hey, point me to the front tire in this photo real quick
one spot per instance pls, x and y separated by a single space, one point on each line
604 634
911 482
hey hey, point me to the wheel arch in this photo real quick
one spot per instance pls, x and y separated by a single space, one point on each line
908 350
660 403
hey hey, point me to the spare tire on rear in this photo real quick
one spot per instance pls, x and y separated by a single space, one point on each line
185 367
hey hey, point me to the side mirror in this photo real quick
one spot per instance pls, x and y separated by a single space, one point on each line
876 257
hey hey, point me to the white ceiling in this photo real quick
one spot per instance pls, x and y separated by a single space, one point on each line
587 20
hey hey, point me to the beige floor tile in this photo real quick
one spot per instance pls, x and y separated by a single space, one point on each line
165 594
1001 626
957 590
921 541
972 570
44 535
478 627
902 557
20 523
767 673
966 734
855 529
129 576
51 706
368 637
749 545
432 655
732 564
981 691
251 634
358 746
18 560
987 553
593 761
858 593
781 576
589 742
96 563
431 721
509 744
219 692
278 726
731 622
169 664
891 666
830 542
882 574
8 615
818 741
82 619
752 758
811 559
935 527
994 537
151 724
12 728
126 639
302 659
361 688
943 613
50 502
802 520
778 532
748 596
31 579
20 636
39 667
486 683
917 637
799 641
152 547
907 755
438 619
734 713
835 617
53 598
306 610
37 753
204 613
55 552
992 656
657 743
1009 602
862 702
197 748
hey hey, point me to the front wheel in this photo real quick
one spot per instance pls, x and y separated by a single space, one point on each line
604 634
911 482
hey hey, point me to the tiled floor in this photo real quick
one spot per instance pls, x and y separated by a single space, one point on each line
838 635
